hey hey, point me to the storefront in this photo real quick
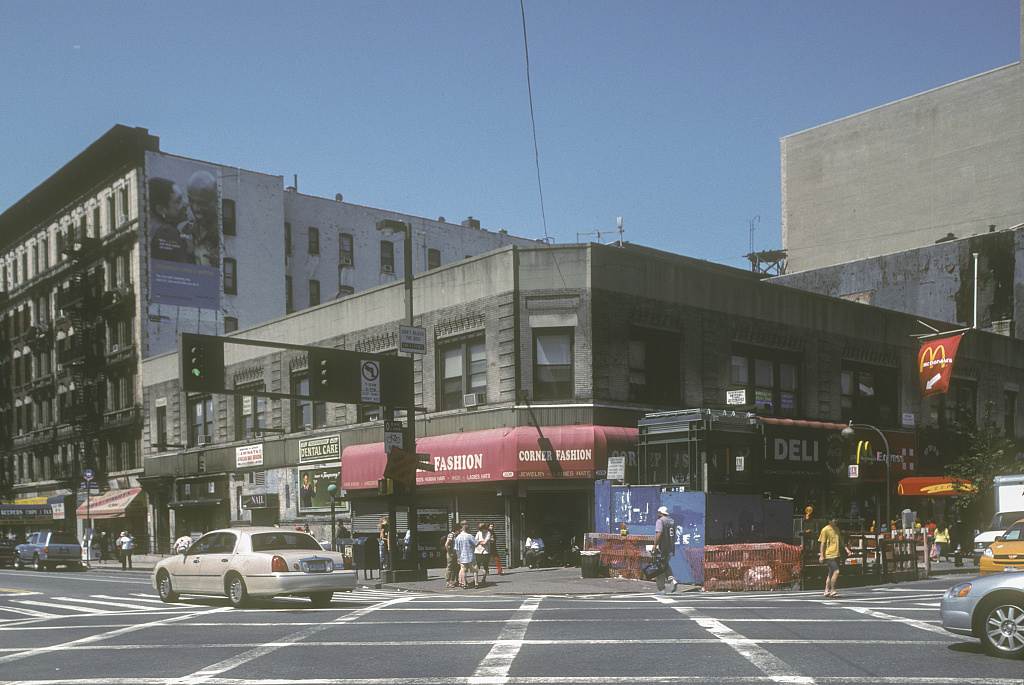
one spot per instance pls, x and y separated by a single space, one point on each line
115 511
521 479
24 516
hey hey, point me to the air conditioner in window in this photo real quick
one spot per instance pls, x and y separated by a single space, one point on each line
307 427
114 348
205 439
346 261
473 399
387 268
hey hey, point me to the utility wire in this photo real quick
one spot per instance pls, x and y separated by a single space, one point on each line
533 122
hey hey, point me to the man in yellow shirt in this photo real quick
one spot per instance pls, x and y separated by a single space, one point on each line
829 555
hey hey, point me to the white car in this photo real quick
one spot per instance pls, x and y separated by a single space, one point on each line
240 563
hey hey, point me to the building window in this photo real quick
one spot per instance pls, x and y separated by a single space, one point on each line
230 324
314 240
200 421
230 276
369 412
653 366
250 412
95 222
227 216
771 384
287 239
1009 413
111 214
463 372
314 293
345 254
123 218
869 395
433 258
387 256
306 412
289 305
161 426
553 364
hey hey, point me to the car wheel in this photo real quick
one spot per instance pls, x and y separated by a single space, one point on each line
237 593
320 600
163 586
37 564
1002 628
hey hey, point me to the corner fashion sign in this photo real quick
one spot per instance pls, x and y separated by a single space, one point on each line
935 364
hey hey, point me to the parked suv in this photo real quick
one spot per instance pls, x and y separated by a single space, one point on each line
46 550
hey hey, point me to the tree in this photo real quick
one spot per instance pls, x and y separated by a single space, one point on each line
984 453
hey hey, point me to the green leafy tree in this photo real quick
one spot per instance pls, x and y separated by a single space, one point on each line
984 452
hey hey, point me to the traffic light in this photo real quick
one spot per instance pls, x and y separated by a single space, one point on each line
202 363
385 486
864 451
327 372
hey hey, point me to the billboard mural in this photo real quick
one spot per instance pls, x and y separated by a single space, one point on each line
184 231
314 495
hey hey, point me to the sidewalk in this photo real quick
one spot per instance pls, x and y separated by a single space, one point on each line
523 581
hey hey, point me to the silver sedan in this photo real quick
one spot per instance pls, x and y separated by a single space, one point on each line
240 563
990 608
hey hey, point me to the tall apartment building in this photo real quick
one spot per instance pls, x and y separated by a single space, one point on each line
105 263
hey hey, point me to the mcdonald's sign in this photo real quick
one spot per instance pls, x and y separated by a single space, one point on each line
935 364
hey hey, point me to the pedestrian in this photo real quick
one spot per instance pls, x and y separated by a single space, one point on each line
465 545
941 541
383 542
451 571
534 549
663 549
494 550
126 543
829 555
483 550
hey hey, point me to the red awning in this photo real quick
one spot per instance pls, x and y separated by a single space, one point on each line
930 486
497 454
111 505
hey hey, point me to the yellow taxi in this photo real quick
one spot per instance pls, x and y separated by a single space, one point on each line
1006 553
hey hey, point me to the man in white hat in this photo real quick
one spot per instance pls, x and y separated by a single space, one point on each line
665 547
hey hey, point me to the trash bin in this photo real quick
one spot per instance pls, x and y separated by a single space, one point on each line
590 564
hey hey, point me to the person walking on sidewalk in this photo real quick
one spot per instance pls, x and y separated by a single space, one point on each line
126 543
829 555
483 550
451 571
663 549
465 545
493 551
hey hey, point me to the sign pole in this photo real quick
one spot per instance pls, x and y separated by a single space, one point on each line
88 475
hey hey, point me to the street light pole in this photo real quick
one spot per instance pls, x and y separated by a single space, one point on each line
848 433
332 489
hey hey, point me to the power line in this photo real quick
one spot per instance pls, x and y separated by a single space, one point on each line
533 122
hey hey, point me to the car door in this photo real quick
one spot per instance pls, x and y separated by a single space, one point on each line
213 563
185 569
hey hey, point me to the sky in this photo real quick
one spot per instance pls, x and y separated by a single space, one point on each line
668 114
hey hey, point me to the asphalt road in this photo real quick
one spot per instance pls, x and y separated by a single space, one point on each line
108 626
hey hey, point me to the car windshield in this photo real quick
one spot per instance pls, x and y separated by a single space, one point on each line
1006 519
63 539
262 542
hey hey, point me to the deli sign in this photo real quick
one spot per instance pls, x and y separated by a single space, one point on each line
935 364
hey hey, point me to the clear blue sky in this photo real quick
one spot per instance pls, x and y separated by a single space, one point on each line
667 114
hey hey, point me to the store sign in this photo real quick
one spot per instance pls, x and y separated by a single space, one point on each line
935 364
320 449
259 501
248 456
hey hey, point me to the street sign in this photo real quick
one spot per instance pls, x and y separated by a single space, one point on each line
412 339
394 435
88 474
735 396
369 379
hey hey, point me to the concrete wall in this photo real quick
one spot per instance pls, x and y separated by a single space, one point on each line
906 174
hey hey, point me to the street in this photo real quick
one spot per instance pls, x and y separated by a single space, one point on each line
108 626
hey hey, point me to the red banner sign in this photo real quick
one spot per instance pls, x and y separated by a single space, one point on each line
935 364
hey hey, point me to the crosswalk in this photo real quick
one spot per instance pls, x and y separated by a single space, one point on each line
18 606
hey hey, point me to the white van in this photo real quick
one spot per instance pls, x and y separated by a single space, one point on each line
1009 496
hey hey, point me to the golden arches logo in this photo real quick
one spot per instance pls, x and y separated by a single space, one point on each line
934 356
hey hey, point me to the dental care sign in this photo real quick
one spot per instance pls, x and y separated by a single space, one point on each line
935 364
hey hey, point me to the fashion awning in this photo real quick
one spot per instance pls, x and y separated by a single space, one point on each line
111 505
519 453
931 486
